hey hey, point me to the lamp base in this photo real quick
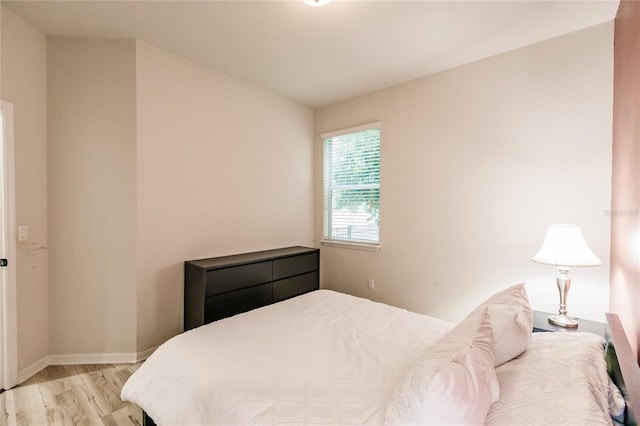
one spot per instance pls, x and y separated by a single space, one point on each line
563 321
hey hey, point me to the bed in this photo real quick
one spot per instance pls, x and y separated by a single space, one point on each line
329 358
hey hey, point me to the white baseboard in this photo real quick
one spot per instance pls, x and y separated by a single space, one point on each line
80 359
108 358
33 369
142 355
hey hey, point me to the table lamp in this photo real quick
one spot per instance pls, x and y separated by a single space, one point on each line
565 247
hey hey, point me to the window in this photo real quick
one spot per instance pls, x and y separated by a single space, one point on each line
352 185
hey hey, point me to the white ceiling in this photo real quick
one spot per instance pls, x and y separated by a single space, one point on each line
321 55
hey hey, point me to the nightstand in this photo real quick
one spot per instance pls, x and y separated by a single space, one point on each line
540 323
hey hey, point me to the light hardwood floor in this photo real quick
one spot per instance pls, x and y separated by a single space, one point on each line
76 395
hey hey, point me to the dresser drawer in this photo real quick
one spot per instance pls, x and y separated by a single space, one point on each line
220 281
295 265
226 305
295 286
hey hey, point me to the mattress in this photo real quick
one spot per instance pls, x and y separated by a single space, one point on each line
320 358
561 379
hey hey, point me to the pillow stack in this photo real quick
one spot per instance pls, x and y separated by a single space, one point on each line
511 321
454 381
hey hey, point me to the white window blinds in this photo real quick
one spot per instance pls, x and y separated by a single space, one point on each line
352 185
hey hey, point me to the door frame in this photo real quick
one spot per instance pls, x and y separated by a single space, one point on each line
8 291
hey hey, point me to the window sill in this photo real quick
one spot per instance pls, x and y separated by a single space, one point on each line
351 245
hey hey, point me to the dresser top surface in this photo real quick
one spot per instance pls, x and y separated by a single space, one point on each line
241 259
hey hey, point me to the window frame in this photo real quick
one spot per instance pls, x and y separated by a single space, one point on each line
356 244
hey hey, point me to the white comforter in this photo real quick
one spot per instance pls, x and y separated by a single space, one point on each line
561 379
320 358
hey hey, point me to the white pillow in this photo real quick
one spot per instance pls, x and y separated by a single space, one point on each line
453 382
511 320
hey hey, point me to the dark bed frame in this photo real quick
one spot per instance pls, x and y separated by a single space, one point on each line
622 367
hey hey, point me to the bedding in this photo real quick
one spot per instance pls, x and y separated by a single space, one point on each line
452 382
511 321
617 404
320 358
330 358
561 379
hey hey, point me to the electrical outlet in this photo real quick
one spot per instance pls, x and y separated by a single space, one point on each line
371 284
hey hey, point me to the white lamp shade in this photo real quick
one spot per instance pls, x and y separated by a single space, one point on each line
316 3
564 245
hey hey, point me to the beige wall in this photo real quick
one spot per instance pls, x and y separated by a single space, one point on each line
92 195
625 202
476 162
24 77
154 160
223 168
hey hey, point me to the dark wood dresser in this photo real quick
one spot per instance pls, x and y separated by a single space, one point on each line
221 287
